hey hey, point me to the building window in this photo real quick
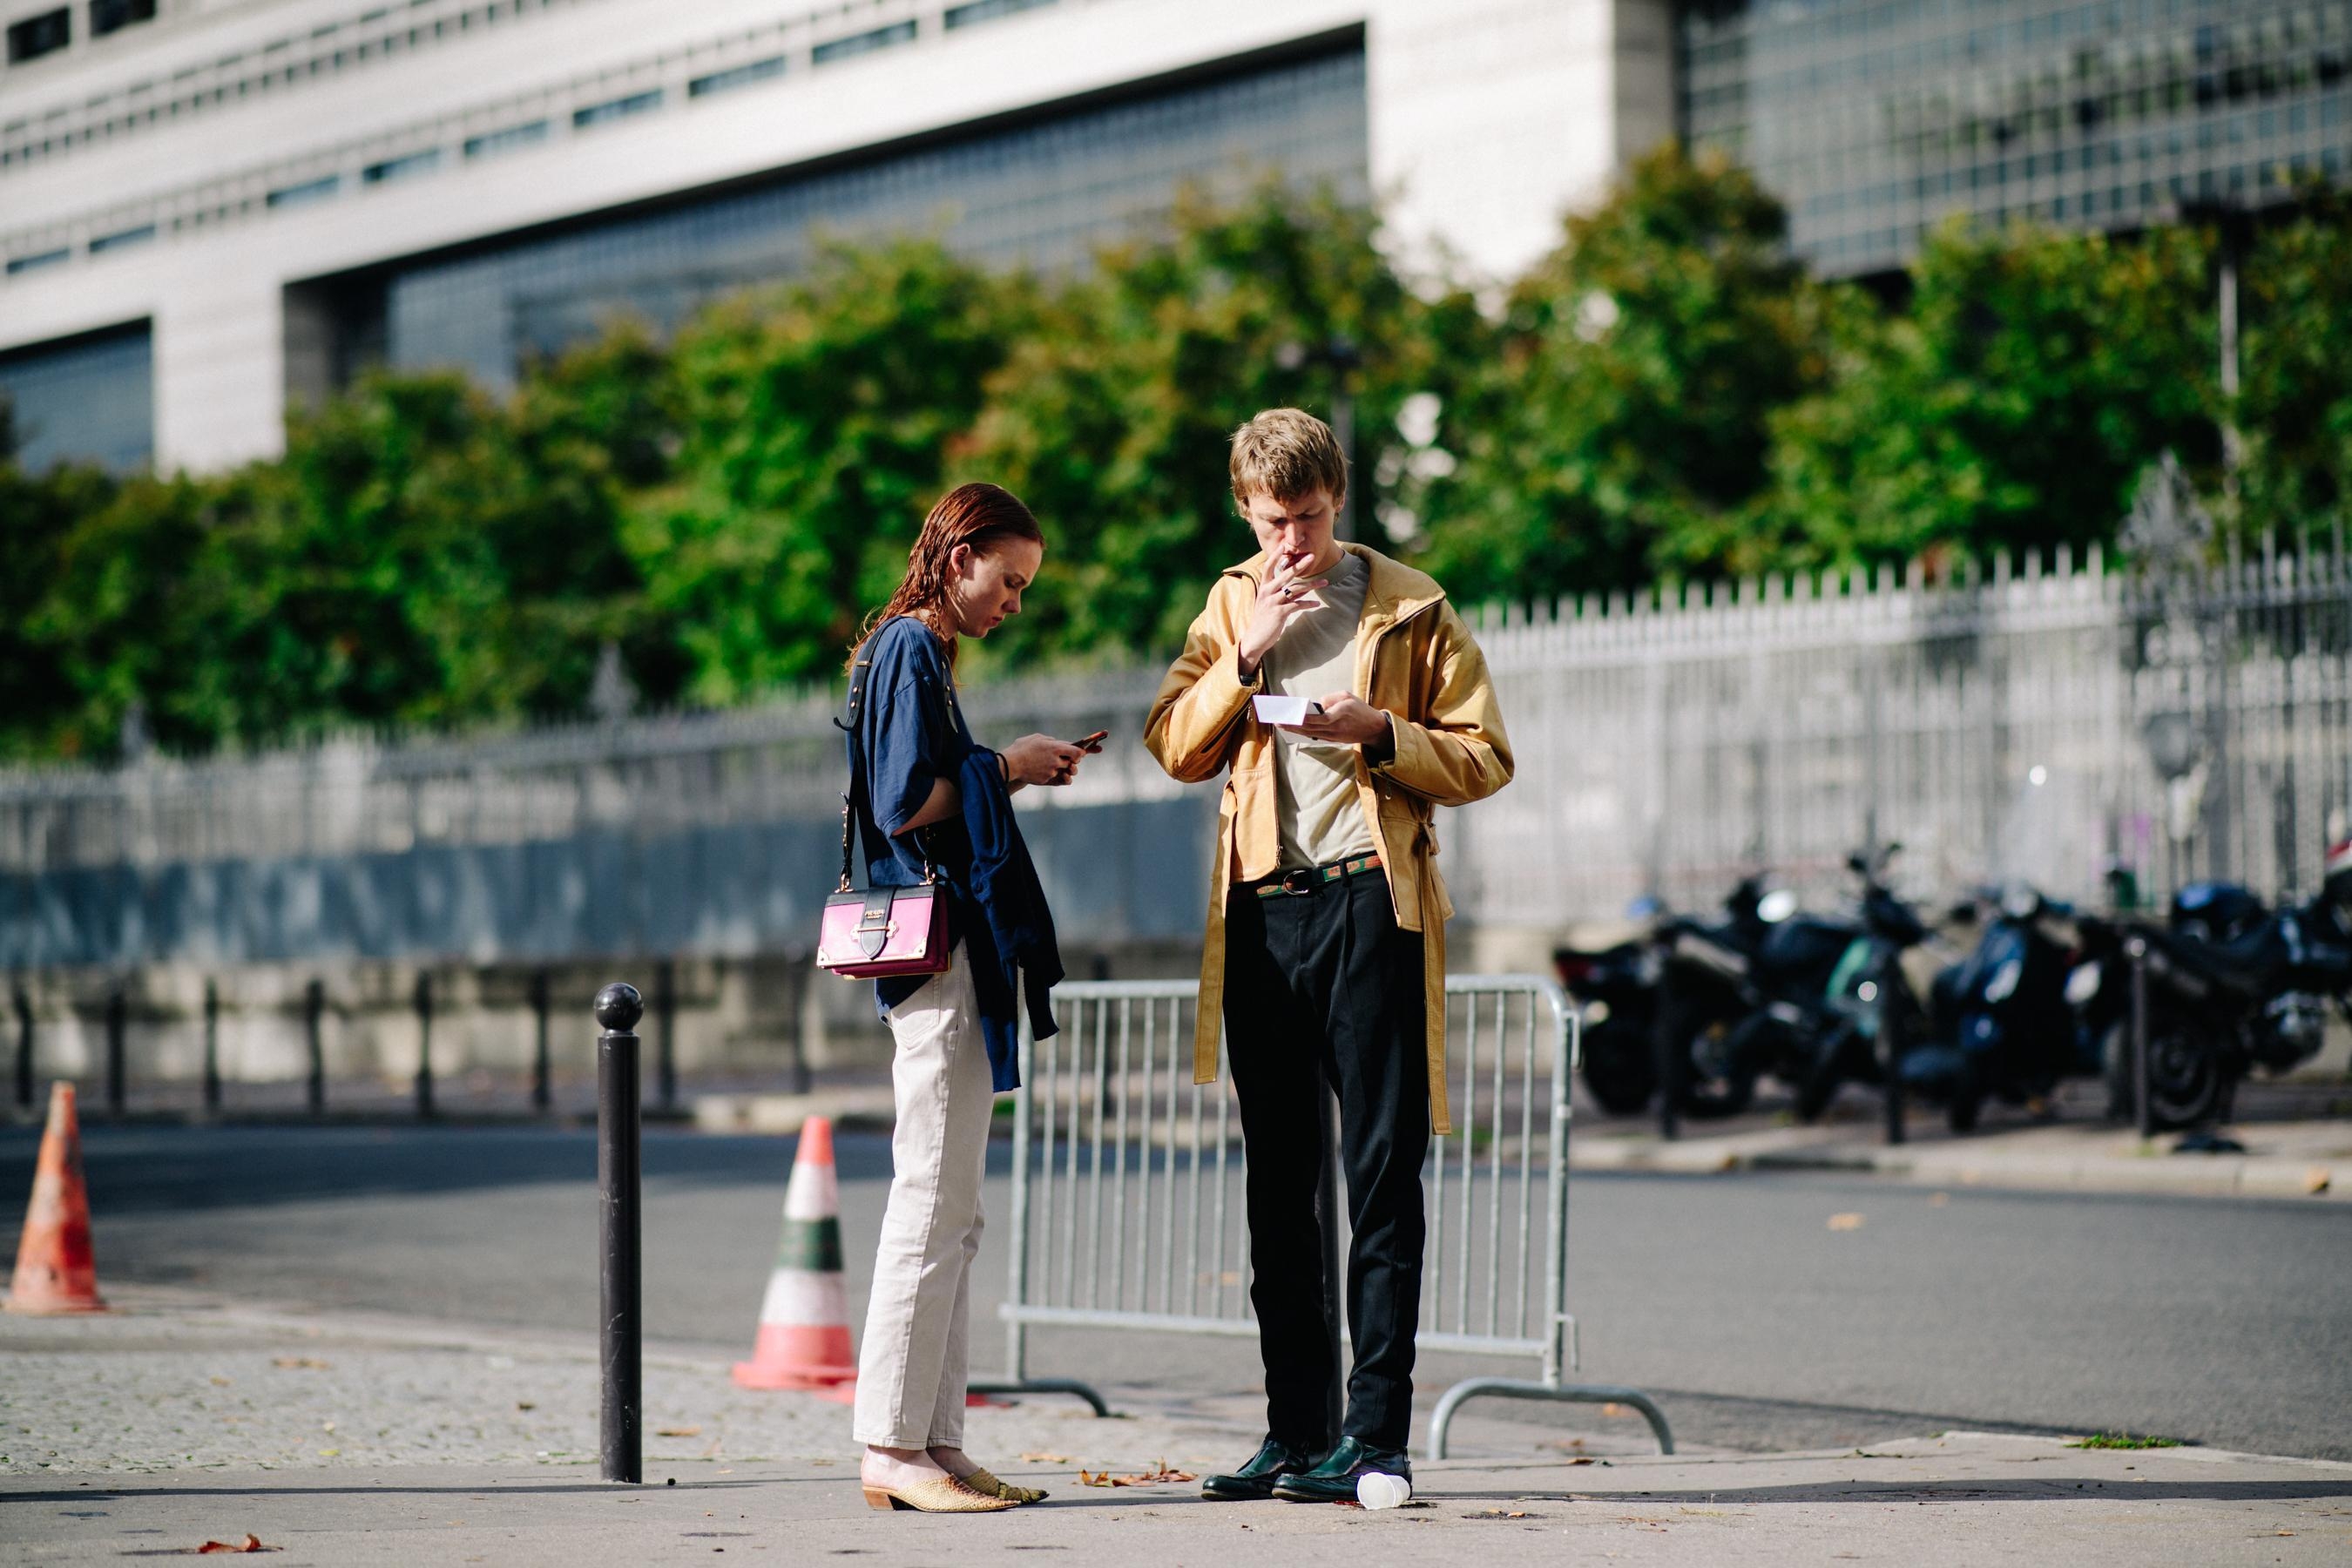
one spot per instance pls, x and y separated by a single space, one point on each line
735 76
307 191
490 143
37 259
37 35
112 16
617 108
120 237
988 11
862 43
399 168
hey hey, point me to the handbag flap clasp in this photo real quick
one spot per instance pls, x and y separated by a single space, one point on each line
874 921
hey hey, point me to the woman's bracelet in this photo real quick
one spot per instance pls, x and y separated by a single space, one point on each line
1003 767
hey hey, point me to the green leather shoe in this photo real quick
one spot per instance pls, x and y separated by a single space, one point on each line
1254 1482
1334 1481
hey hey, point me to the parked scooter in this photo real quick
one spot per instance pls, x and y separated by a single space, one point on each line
2219 1005
1813 999
1618 989
2001 1023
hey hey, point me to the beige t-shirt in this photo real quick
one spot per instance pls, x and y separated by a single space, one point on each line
1318 814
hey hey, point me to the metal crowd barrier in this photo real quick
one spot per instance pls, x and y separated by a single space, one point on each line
1127 1197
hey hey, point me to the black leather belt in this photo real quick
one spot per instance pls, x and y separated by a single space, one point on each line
1306 879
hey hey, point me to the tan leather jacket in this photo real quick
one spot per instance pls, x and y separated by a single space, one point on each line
1415 659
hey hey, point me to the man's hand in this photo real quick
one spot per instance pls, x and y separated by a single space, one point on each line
1041 760
1282 597
1346 719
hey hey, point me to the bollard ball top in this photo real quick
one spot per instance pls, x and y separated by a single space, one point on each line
618 1007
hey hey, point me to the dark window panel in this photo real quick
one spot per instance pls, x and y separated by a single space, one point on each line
37 35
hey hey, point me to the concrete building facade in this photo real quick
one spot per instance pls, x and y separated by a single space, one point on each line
210 207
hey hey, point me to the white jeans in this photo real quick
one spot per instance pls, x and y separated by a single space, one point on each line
911 1368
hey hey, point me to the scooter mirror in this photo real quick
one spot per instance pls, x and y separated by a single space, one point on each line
1776 906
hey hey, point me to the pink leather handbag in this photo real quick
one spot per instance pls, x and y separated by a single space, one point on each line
883 932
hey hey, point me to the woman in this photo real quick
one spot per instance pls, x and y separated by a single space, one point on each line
934 802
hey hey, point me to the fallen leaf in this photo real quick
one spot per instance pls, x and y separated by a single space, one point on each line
1159 1473
251 1544
220 1383
1582 1459
2316 1179
1845 1222
1045 1458
678 1431
296 1362
525 1405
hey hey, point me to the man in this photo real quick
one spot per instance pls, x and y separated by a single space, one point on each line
1326 939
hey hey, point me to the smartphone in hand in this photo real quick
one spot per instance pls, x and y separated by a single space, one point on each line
1094 742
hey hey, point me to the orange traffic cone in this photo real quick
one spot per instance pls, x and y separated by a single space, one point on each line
56 1271
804 1318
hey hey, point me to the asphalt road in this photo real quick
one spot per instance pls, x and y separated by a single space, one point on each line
1756 1324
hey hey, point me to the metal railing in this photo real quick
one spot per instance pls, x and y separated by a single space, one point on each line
1129 1183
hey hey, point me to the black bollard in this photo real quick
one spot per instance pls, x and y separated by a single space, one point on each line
542 1091
117 1011
665 1035
314 1013
212 1050
24 1047
425 1046
622 1444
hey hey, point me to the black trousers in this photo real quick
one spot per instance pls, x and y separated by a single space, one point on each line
1322 988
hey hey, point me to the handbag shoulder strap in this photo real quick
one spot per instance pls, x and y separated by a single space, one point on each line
856 791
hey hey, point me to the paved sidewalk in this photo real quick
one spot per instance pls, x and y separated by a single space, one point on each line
354 1440
2301 1160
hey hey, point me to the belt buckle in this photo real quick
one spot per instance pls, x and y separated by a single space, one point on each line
1298 881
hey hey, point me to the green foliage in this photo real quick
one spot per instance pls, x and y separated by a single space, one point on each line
1665 394
1111 417
2011 406
2295 395
814 423
2123 1440
1623 428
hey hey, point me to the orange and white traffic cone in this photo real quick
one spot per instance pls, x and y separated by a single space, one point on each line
55 1271
803 1339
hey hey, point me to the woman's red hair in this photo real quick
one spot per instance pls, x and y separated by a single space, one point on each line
980 515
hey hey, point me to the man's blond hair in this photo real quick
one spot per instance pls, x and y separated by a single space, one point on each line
1286 453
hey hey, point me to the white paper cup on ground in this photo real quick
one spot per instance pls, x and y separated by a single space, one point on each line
1374 1489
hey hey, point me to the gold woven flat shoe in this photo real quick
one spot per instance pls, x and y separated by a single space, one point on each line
940 1494
987 1485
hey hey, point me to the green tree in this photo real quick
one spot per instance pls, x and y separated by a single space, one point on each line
38 516
2296 368
1112 417
2011 406
1622 430
815 422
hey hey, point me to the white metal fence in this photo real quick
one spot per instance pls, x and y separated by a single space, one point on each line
2054 719
1129 1188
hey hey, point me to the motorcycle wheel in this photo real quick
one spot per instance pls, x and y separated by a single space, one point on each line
1711 1084
2187 1084
1621 1069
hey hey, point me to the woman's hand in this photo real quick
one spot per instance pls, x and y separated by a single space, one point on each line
1040 760
1282 598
